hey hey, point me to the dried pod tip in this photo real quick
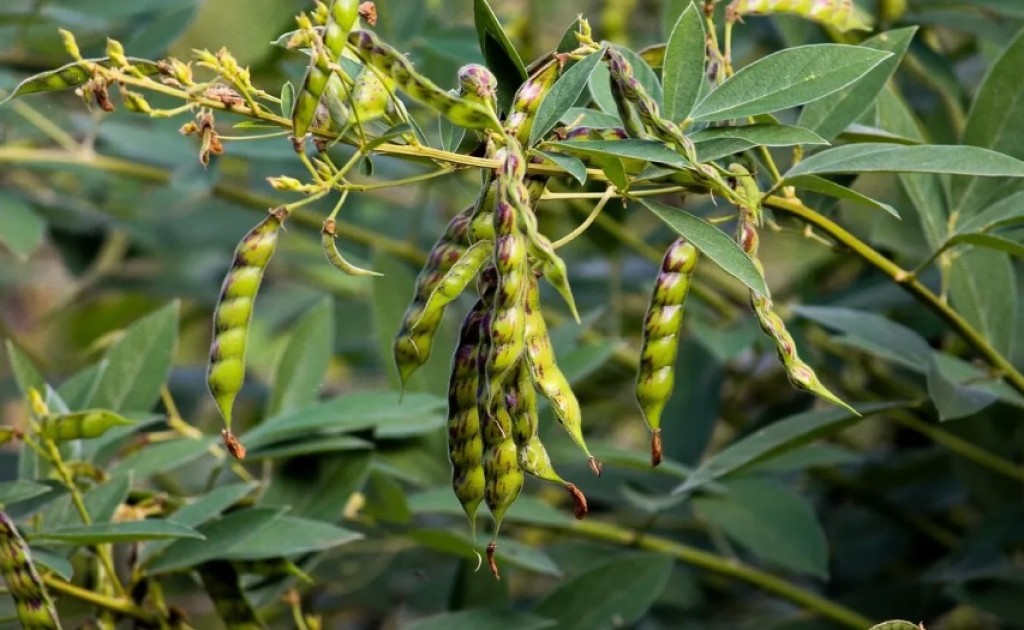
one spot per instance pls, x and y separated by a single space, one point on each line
595 466
329 228
368 11
492 549
232 444
656 450
580 509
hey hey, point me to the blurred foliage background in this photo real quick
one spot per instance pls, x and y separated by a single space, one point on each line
114 240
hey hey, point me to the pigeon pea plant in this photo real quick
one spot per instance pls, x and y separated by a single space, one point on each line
723 150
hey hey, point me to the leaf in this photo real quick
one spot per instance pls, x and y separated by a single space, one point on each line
527 509
770 521
717 142
988 241
832 189
103 500
57 563
630 148
573 166
995 121
482 619
712 242
775 439
26 374
311 446
70 76
896 624
79 389
450 134
139 362
289 536
586 117
287 99
317 487
300 371
510 552
563 95
788 78
831 116
15 491
219 537
898 158
1005 212
500 54
21 230
128 531
981 288
158 458
616 593
683 70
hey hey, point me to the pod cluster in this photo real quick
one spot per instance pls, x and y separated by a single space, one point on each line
31 599
323 52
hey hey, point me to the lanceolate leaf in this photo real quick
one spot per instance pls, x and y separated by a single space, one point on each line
989 241
832 115
1007 211
832 189
301 369
563 95
718 142
978 286
498 51
683 71
788 78
898 158
129 531
712 242
630 148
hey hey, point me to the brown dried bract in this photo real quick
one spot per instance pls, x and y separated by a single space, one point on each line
595 466
232 444
368 11
329 228
492 548
224 94
656 450
102 95
580 508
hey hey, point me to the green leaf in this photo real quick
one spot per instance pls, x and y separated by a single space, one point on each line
449 133
717 142
103 500
981 288
527 509
898 158
15 491
586 117
500 54
988 241
26 374
563 95
53 562
219 538
300 371
128 531
317 487
630 148
896 624
159 458
1005 212
614 594
832 189
996 121
79 389
683 70
575 167
775 439
831 116
21 230
712 242
788 78
289 536
139 362
482 619
312 446
510 552
71 76
287 99
771 522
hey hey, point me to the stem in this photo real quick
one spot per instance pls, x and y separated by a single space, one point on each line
906 280
114 604
598 207
718 564
962 447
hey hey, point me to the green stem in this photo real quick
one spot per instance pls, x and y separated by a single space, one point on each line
114 604
906 280
724 566
962 447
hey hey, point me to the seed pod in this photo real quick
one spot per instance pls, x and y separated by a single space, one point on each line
460 111
457 279
81 425
234 311
528 98
327 235
503 478
343 16
547 377
800 374
478 84
656 376
521 399
32 601
841 15
412 348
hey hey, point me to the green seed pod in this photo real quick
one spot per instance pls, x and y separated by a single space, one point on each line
528 98
226 371
81 425
841 15
343 16
503 478
327 235
478 84
412 347
547 377
656 376
457 278
507 325
460 111
32 601
800 374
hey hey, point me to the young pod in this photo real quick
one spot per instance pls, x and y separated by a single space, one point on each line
343 16
507 324
457 278
528 98
503 478
478 84
460 111
841 15
32 601
328 234
80 425
548 378
662 324
231 319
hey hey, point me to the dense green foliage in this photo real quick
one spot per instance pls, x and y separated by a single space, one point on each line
840 419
